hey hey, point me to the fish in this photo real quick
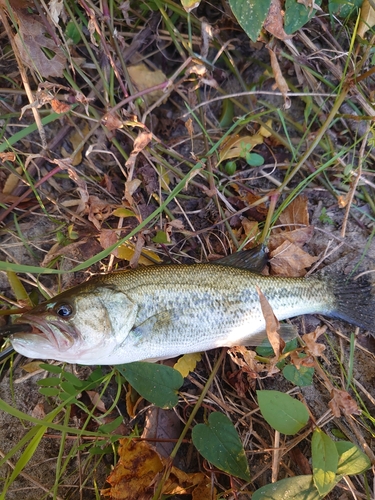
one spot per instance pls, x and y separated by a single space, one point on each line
163 311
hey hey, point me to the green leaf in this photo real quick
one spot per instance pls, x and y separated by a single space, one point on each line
123 212
219 443
325 459
111 426
49 382
254 160
298 488
297 15
72 32
302 376
251 15
49 391
282 412
51 368
156 383
343 8
161 237
351 459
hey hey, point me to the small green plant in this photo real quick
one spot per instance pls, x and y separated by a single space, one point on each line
325 218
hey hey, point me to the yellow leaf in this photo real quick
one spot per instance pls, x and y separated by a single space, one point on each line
123 212
76 139
237 146
187 363
144 78
263 131
367 18
189 5
32 367
126 252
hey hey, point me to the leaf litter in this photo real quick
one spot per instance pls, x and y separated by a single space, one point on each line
103 200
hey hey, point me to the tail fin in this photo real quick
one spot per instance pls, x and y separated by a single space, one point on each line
355 301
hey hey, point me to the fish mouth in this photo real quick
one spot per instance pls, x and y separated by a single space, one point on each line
45 333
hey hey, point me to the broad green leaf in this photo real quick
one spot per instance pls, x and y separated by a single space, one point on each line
254 159
282 412
351 459
49 391
325 459
343 8
297 15
296 488
302 376
219 443
251 15
156 383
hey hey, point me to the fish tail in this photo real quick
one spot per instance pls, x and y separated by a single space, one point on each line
354 301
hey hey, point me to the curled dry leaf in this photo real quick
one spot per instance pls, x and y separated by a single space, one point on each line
367 18
281 83
343 402
274 22
143 139
272 325
313 347
10 156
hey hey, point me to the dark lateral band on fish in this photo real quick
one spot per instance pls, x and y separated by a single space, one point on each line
163 311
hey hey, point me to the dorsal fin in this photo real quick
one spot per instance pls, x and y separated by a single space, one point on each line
253 260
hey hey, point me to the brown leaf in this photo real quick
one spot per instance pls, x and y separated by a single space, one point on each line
295 214
59 107
111 121
313 347
31 39
298 237
290 260
98 211
135 472
272 324
343 402
274 22
281 83
10 156
163 425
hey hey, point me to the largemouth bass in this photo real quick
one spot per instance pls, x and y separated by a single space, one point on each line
163 311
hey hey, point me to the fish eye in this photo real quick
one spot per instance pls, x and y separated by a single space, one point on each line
64 310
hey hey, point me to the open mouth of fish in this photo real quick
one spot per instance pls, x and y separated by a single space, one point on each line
41 333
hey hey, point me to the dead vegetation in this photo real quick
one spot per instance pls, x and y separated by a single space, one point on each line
139 133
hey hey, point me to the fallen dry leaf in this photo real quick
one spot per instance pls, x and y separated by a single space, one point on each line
143 78
237 146
10 156
187 363
343 402
281 83
290 260
140 142
367 18
298 237
31 39
296 213
272 325
163 427
274 22
313 347
138 470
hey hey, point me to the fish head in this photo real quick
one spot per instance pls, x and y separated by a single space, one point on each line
77 326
